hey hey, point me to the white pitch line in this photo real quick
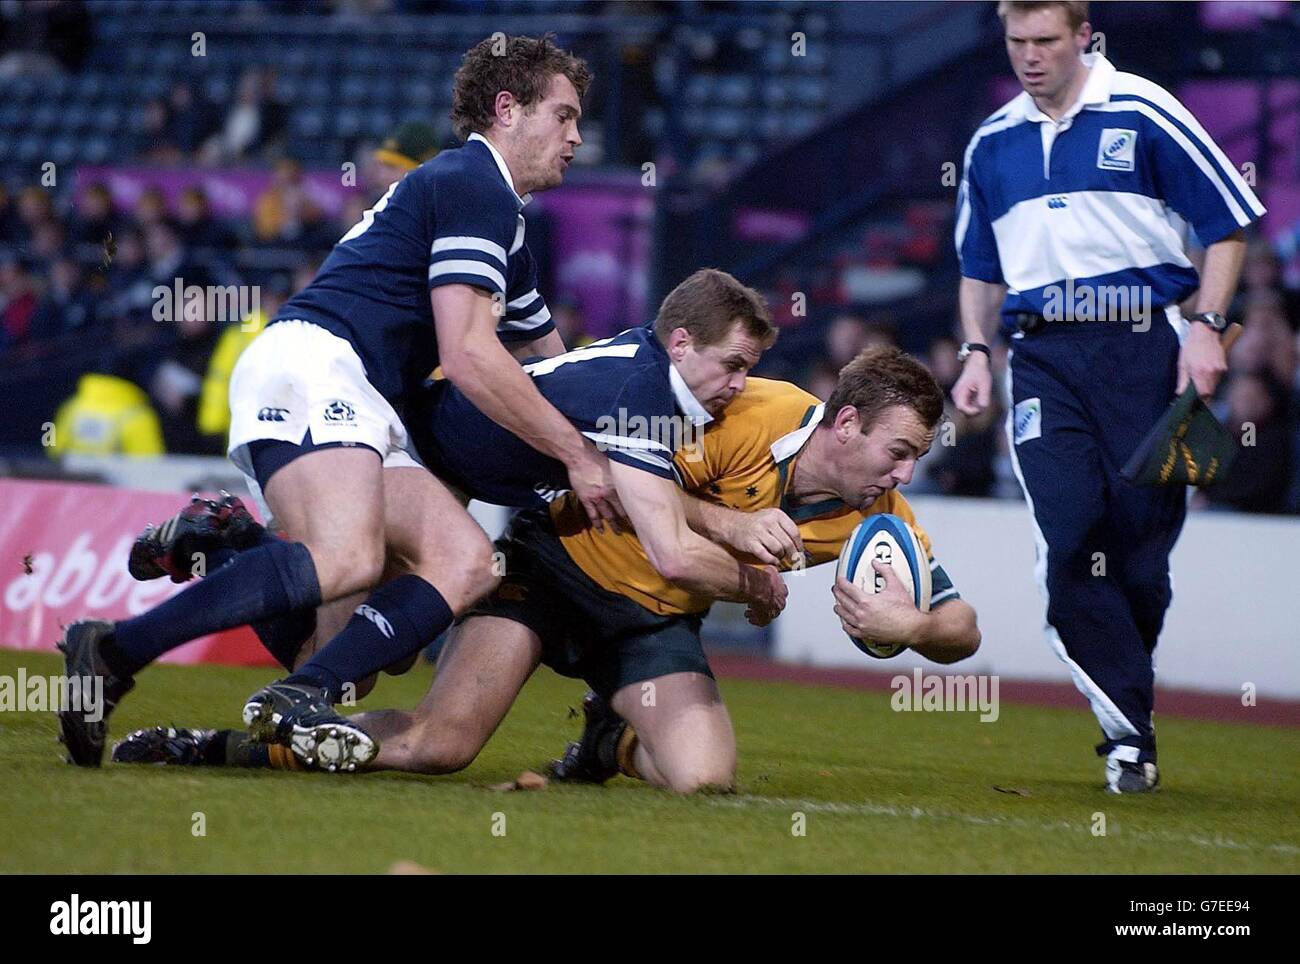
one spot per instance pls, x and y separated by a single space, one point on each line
867 808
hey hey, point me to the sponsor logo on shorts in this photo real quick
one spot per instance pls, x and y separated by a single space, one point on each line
1028 420
1058 202
272 414
340 411
1117 150
379 619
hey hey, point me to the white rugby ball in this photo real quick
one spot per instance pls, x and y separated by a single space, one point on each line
891 540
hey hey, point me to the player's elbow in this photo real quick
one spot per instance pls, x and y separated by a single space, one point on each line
464 365
671 562
962 637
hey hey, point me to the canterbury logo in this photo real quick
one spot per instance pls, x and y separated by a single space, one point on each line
1057 202
379 619
272 414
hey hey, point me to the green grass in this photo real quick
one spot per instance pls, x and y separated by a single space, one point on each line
881 791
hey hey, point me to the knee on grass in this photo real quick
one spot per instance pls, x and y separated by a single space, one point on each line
446 748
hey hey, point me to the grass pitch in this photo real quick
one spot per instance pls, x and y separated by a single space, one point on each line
880 792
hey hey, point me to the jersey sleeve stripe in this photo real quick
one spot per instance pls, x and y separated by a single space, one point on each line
535 320
523 301
465 243
942 597
1214 168
633 458
475 269
1171 107
625 442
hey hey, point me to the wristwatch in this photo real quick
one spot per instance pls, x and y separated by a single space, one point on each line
972 346
1215 320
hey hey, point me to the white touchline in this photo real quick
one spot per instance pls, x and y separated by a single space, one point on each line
743 800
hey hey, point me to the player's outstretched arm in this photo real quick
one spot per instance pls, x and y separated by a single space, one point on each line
476 362
769 535
684 557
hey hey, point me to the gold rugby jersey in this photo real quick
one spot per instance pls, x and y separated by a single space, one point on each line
743 460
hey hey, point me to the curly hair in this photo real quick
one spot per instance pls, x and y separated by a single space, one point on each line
882 377
523 66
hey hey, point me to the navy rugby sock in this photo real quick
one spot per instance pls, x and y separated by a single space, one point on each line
282 636
268 581
397 619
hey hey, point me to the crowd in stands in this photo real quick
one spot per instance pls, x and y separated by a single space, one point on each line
77 270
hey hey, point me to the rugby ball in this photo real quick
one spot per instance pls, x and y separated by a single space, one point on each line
891 540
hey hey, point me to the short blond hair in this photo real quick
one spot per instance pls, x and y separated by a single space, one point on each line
1076 11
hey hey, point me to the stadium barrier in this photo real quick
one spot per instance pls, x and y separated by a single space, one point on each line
1230 624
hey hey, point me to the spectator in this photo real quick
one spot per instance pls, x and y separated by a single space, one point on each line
18 298
1259 479
175 380
190 119
34 209
108 415
93 224
403 151
67 306
846 336
150 208
822 379
128 278
48 244
285 212
961 461
1262 272
154 141
200 229
254 124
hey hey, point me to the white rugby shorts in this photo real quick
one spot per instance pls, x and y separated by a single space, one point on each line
297 376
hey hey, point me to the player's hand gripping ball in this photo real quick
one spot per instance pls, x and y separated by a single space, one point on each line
892 541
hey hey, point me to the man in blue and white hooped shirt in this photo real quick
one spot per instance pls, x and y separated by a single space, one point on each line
1072 221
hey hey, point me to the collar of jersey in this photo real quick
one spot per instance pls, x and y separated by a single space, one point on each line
686 400
501 166
1096 90
785 450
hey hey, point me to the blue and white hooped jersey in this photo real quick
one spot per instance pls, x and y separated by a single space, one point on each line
1100 200
454 220
622 393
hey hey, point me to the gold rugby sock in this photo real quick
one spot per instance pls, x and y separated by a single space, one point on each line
625 753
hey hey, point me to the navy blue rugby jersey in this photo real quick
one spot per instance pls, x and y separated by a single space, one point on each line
622 393
454 220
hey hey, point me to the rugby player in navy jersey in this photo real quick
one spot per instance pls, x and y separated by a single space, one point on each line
425 278
643 396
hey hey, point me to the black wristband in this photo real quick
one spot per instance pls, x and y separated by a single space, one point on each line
969 347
